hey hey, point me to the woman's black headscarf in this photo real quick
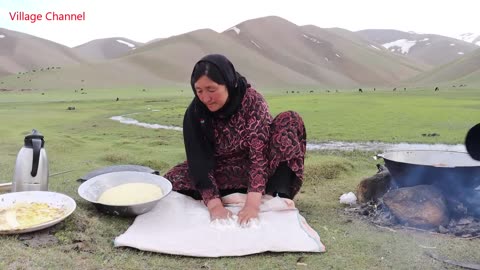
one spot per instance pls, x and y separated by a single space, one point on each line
198 131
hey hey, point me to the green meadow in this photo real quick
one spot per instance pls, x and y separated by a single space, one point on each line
85 139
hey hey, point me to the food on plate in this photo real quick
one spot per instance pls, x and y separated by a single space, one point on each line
131 193
26 215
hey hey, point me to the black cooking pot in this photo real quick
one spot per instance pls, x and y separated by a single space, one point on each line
454 171
472 142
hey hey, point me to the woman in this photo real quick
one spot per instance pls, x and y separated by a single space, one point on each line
233 145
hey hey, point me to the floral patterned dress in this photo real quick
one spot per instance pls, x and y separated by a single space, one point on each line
249 146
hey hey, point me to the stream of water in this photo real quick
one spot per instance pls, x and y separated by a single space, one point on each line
331 145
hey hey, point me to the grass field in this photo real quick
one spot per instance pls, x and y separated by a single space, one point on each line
86 139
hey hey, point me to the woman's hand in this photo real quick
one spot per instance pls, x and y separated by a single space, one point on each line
251 209
217 210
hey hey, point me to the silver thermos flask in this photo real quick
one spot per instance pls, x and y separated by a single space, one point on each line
31 167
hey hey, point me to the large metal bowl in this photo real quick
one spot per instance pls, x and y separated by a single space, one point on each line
95 186
452 170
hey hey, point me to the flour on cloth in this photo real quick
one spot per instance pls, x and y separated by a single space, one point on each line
232 224
181 225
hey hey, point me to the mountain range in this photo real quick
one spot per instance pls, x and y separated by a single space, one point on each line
430 49
470 37
269 51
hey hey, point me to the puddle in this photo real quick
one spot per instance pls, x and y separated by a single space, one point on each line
131 121
332 145
379 146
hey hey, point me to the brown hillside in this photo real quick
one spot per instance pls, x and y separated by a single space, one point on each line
20 52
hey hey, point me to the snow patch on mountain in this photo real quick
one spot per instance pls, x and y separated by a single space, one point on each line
236 29
126 43
403 44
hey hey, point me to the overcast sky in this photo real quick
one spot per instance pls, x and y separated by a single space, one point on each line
144 20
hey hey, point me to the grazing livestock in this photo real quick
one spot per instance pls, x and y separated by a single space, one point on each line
430 134
360 90
437 89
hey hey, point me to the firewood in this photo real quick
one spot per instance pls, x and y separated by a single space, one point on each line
372 188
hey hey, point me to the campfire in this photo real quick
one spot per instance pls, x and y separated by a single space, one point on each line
435 191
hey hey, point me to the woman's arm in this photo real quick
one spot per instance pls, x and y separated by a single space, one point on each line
251 208
211 198
209 193
258 120
217 210
258 134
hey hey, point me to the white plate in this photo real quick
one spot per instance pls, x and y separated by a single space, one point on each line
53 199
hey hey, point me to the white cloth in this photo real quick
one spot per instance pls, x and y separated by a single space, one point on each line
181 225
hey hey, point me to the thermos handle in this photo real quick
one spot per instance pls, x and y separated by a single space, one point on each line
37 146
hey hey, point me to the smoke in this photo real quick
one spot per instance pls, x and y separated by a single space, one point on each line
458 184
473 202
